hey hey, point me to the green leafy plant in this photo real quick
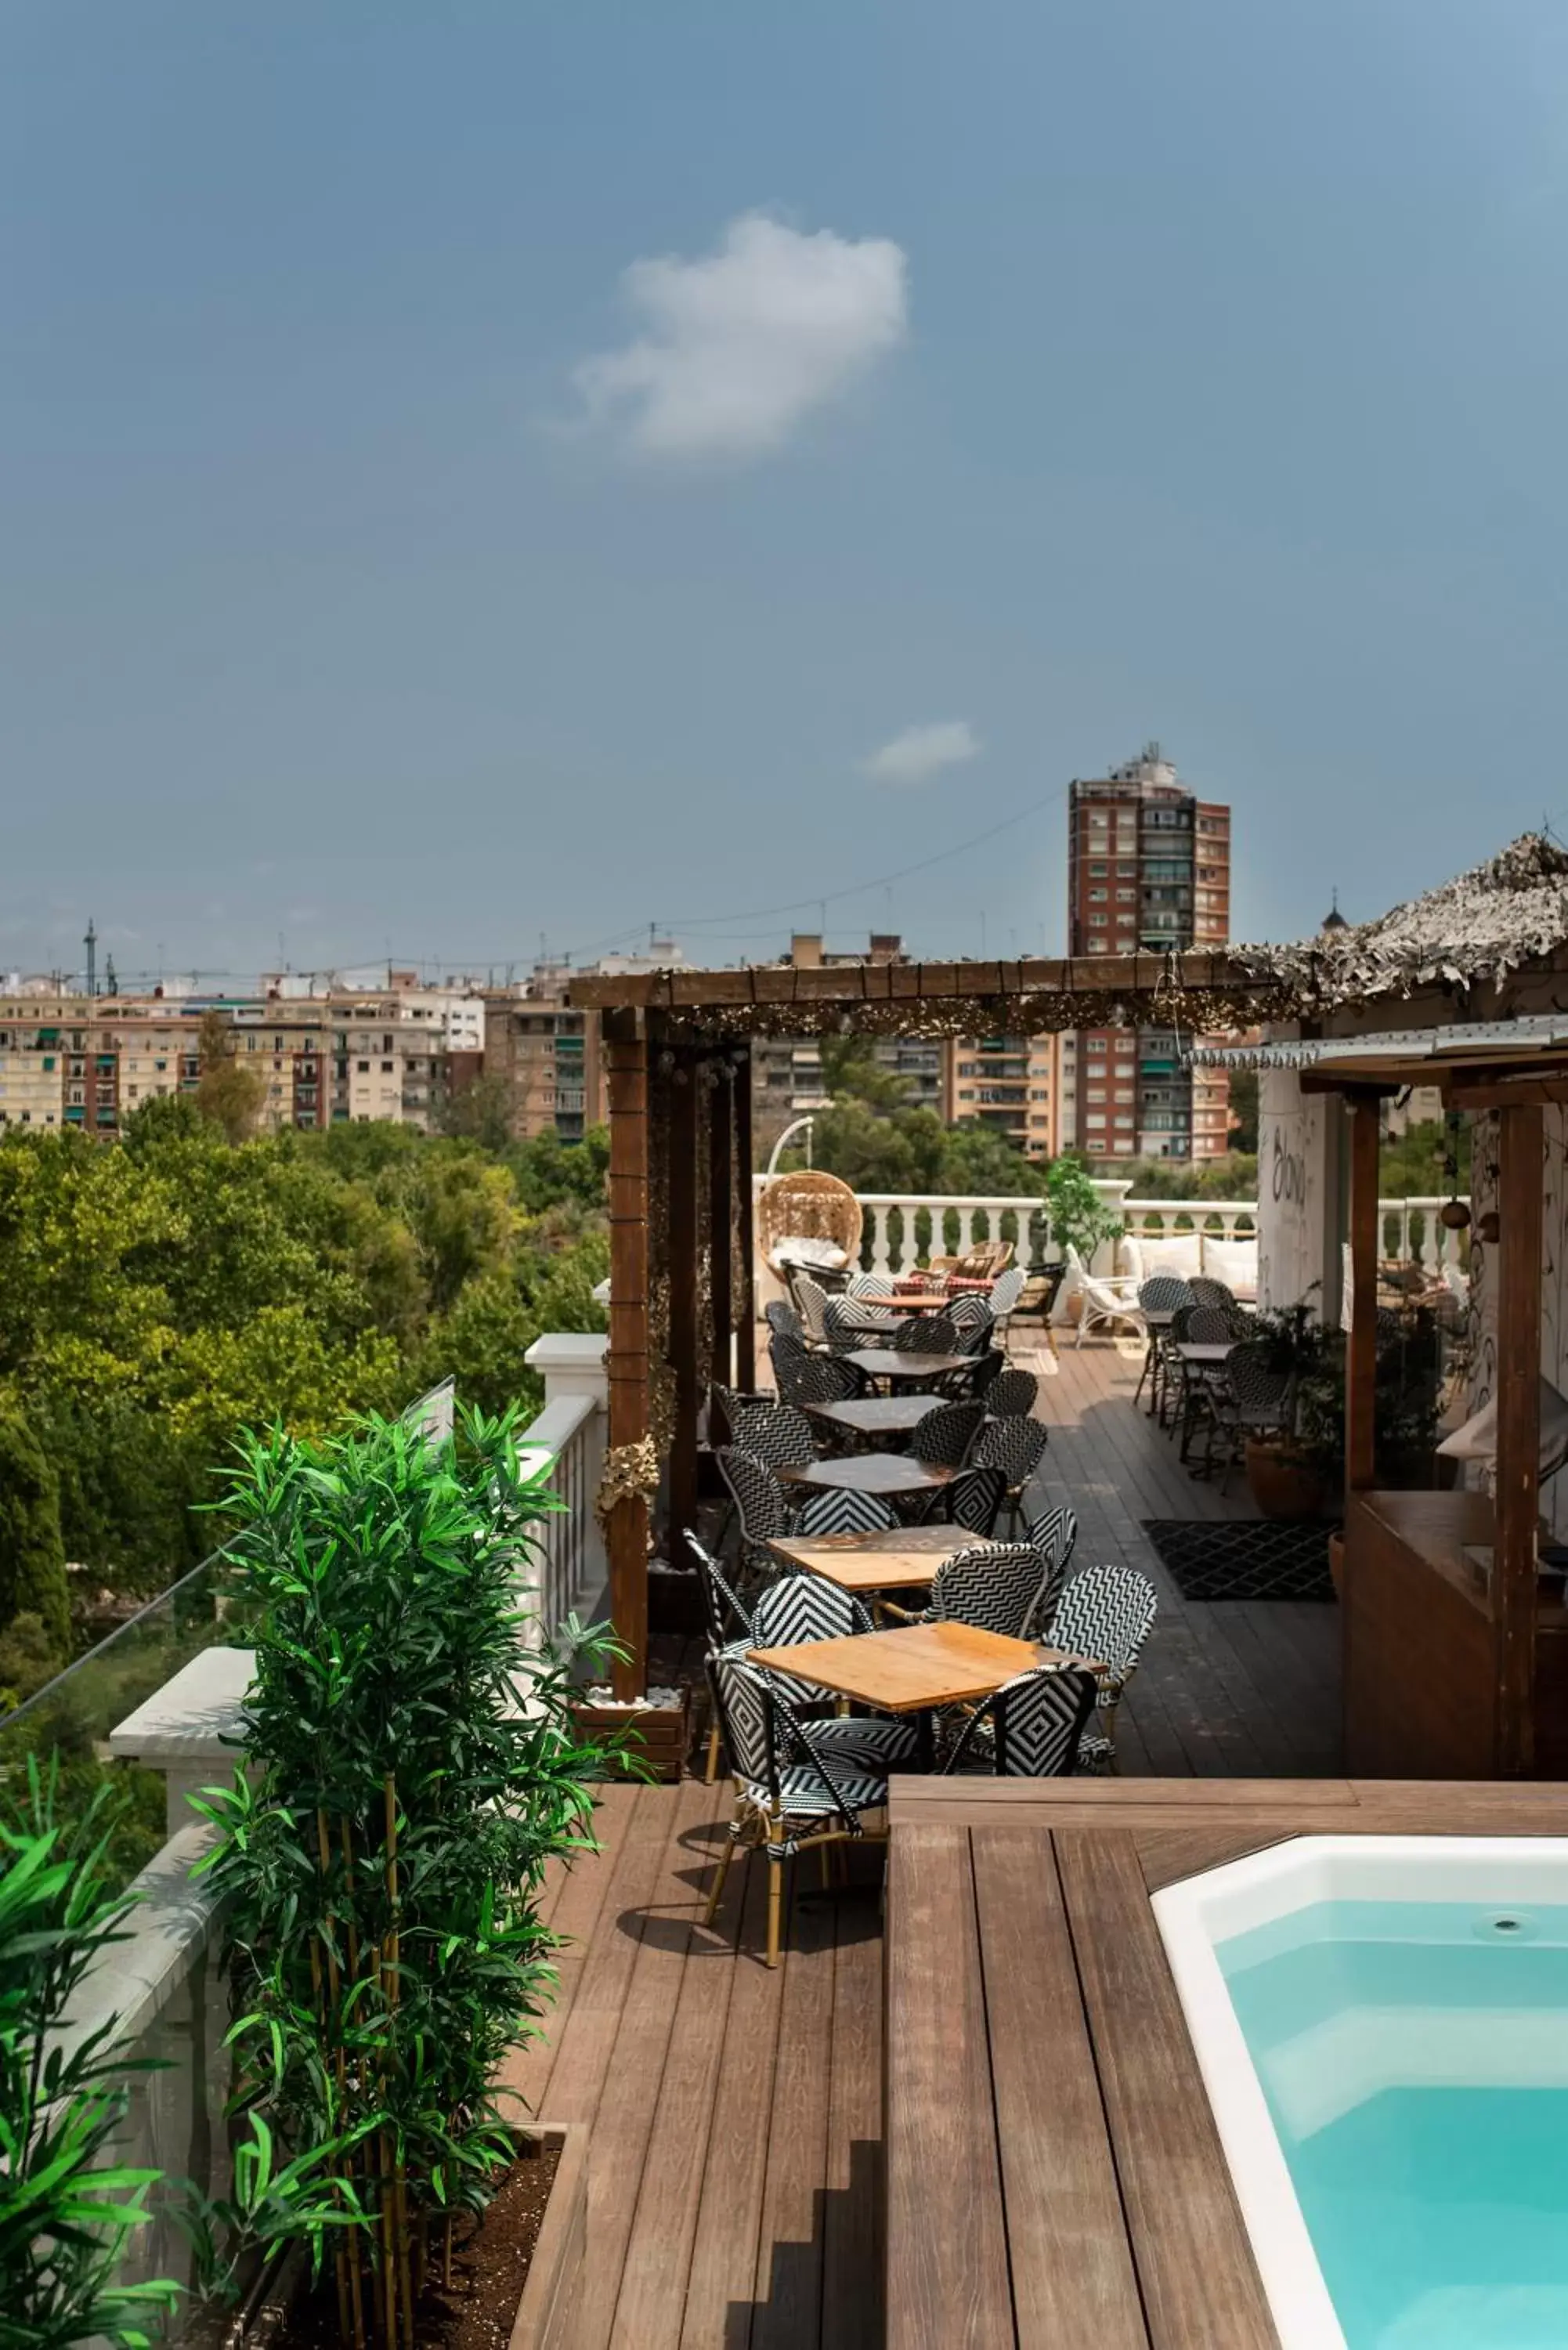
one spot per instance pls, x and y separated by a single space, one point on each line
412 1768
1080 1218
1406 1395
67 2207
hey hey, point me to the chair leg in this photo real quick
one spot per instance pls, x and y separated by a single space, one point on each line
717 1894
711 1771
775 1891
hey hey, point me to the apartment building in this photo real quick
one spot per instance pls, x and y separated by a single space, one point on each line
1148 869
549 1056
344 1058
1012 1084
88 1061
787 1073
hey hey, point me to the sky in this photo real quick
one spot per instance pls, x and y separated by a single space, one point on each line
484 477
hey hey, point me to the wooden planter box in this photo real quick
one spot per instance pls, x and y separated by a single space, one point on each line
546 2315
659 1736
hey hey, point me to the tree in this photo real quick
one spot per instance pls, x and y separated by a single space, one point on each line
1245 1110
479 1112
228 1093
32 1552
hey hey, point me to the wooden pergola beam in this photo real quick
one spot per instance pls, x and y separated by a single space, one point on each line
777 985
1520 1143
1361 1352
625 1360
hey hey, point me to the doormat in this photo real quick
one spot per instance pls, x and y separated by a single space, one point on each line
1264 1558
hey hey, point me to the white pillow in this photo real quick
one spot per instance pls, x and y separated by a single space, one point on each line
1235 1263
806 1251
1476 1440
1180 1254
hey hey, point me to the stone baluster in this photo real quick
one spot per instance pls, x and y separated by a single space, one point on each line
966 1231
882 1260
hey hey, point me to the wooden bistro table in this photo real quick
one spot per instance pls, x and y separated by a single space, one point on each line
1205 1355
884 1416
872 1472
913 1669
886 1561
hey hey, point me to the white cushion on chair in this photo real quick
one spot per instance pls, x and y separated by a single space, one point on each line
809 1252
1180 1254
1235 1263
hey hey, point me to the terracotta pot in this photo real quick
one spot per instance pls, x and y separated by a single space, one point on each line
1337 1563
1284 1484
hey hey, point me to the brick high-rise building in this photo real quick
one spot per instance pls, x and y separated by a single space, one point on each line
1149 867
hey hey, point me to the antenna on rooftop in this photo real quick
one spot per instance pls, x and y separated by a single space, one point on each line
90 942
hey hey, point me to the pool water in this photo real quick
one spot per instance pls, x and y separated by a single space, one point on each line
1414 2057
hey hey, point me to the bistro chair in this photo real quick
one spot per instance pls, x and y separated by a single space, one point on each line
731 1402
824 1379
851 1325
1005 1292
835 1509
1028 1729
1162 1293
729 1633
1249 1399
779 1438
783 1351
1016 1447
974 1499
1106 1613
996 1589
944 1437
1054 1533
972 1318
811 1301
983 1372
761 1509
779 1315
1105 1300
926 1333
1207 1292
868 1285
791 1789
1012 1394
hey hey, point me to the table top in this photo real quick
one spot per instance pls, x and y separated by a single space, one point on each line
871 1473
1206 1351
910 1670
925 1301
877 1415
1157 1317
879 1561
889 1363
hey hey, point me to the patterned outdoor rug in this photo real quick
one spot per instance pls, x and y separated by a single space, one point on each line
1260 1558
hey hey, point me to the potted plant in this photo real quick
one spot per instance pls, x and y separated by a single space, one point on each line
411 1768
1081 1219
1300 1474
68 2207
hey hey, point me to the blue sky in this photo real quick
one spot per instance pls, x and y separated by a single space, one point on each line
383 567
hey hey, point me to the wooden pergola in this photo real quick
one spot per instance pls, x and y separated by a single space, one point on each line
1450 1674
678 1062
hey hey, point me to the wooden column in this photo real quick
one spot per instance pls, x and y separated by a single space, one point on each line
1361 1363
683 1302
746 1302
720 1215
1521 1177
625 1073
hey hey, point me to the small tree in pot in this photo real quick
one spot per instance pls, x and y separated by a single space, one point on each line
412 1767
1303 1473
1081 1219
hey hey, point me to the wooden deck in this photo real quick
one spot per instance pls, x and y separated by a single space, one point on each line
736 2114
1044 2099
1241 1689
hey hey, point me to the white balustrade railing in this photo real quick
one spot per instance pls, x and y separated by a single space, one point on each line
1413 1232
569 1434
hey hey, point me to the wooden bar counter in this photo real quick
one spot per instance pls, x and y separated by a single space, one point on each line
1421 1683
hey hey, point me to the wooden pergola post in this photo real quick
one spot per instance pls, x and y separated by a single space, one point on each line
721 1220
746 1302
1361 1352
626 1069
1514 1570
683 1285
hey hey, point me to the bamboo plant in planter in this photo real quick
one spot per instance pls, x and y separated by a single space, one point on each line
410 1767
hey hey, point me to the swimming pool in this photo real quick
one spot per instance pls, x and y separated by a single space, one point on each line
1382 2025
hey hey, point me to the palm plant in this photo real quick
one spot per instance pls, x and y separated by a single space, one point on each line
410 1769
67 2207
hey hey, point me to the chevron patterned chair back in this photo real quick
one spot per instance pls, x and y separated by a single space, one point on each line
943 1439
1034 1723
1054 1533
836 1510
995 1589
779 1438
1012 1394
974 1499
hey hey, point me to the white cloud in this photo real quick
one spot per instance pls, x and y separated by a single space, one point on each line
921 752
739 345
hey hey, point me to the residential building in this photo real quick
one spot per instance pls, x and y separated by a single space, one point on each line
88 1061
1013 1085
1149 871
549 1056
787 1076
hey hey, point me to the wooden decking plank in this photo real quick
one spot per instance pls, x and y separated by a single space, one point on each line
1195 2265
852 2249
1167 1854
788 2312
661 1935
651 2306
582 2057
1073 2277
946 2244
573 1915
722 2280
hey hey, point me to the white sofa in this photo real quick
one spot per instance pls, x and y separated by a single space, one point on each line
1233 1262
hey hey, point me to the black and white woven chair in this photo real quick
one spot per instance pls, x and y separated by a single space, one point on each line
1206 1292
974 1499
927 1334
731 1402
824 1379
729 1631
852 1325
868 1285
791 1788
759 1507
945 1437
996 1589
833 1510
1016 1447
784 1353
1053 1532
779 1314
1162 1293
1012 1394
972 1318
1106 1613
982 1373
779 1438
1005 1292
811 1300
1028 1729
1249 1399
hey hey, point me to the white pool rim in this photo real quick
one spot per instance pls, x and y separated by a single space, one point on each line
1193 1917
